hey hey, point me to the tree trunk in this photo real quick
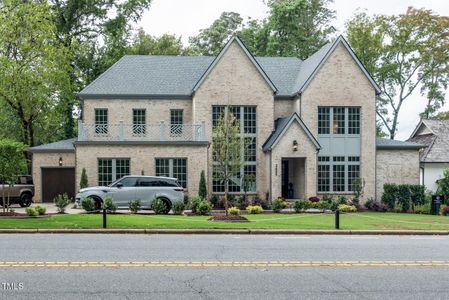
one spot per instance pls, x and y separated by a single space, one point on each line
225 204
3 197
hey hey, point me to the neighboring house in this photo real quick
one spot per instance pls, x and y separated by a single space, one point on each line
307 125
434 159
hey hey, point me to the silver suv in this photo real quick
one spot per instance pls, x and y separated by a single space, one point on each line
21 192
127 188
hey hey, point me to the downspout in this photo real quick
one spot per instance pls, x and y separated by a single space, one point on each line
270 193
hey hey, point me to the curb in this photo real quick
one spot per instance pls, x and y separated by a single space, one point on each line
227 231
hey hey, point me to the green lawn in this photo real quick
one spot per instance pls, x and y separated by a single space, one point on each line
367 220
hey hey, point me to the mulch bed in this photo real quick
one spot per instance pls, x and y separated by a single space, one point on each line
227 218
16 215
11 214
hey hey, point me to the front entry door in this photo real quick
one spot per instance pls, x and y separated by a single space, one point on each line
284 175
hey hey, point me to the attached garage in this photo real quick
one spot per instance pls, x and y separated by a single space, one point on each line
57 181
53 170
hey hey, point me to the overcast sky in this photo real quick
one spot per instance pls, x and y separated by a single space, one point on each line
187 17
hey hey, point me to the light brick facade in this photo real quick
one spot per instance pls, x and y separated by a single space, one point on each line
48 160
396 166
235 80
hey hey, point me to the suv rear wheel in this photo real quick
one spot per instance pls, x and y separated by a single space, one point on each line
25 200
167 206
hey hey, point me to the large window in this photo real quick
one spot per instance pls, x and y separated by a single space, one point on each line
111 169
246 117
337 173
101 121
344 120
173 167
176 121
139 122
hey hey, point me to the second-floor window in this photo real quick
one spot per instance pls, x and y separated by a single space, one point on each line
176 121
339 120
139 122
101 121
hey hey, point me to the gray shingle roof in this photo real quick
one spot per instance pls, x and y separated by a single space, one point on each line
62 146
176 76
437 141
395 144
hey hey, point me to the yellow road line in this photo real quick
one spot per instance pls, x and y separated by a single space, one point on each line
218 264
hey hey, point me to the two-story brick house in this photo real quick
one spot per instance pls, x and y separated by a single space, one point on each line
309 126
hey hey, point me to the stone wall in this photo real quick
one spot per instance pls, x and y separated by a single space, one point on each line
340 82
142 157
396 166
45 159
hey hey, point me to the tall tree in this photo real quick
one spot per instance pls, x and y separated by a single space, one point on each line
298 27
211 40
167 44
404 53
33 66
97 32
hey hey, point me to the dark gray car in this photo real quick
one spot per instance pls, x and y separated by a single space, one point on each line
21 192
127 188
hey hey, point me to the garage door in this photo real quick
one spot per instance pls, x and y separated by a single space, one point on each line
57 181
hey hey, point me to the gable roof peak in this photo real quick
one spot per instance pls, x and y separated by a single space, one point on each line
235 39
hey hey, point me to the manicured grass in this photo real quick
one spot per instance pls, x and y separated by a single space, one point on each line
367 220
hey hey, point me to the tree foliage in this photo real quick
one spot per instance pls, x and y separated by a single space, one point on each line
12 163
33 67
226 151
405 54
293 28
167 44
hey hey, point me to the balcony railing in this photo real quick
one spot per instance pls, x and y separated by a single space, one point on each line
131 132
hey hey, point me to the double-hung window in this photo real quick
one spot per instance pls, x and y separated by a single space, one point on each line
173 167
111 169
245 116
101 121
139 122
176 121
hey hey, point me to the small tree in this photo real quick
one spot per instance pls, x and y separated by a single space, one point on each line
227 151
202 189
357 186
83 181
12 163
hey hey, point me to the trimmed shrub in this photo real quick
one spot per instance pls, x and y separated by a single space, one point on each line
83 180
278 204
390 194
254 209
194 202
323 205
178 207
61 202
30 211
234 211
444 210
40 210
261 202
347 208
241 202
134 206
417 194
314 199
158 206
300 205
215 200
109 204
202 189
88 204
404 197
422 209
373 205
203 208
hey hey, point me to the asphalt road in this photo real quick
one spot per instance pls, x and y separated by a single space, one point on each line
188 281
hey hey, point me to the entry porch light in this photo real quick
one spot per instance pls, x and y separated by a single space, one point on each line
295 145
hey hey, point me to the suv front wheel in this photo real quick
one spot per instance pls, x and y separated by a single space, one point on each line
25 200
